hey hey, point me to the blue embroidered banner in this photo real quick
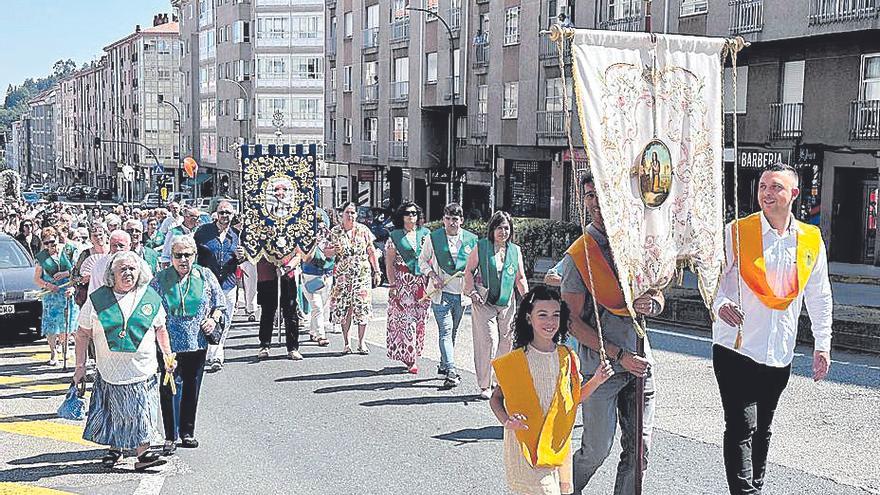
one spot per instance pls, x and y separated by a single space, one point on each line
278 200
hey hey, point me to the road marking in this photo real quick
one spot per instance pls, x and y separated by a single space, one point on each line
150 484
13 380
22 489
52 430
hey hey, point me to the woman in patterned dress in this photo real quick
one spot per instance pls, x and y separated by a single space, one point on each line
350 299
52 270
407 310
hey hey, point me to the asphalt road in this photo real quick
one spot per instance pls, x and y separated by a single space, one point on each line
334 424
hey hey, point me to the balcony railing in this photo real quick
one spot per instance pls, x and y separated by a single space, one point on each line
369 93
864 119
634 22
330 97
398 150
785 120
454 19
452 84
400 30
331 46
479 125
481 54
831 11
746 16
547 50
370 149
551 123
400 90
330 148
371 38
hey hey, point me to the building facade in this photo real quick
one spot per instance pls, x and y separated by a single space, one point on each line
252 72
41 114
18 152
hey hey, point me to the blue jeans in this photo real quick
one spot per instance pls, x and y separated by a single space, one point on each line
448 315
613 401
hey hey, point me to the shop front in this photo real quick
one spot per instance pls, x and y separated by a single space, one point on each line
853 181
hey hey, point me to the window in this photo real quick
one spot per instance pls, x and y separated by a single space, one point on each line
347 24
870 83
308 68
346 131
370 73
346 79
792 82
511 93
398 9
371 129
400 130
241 32
432 6
266 108
553 95
306 112
742 83
622 9
511 26
692 7
272 67
242 70
306 27
401 69
275 27
431 68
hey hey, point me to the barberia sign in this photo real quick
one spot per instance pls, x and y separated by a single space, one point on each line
757 158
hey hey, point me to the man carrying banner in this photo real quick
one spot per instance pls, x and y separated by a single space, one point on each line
589 273
758 305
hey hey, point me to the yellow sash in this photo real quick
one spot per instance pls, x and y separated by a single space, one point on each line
606 285
548 440
753 268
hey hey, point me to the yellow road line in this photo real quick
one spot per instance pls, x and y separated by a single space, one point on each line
46 429
14 380
22 489
48 387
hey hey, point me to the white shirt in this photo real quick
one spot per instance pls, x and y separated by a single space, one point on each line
122 368
96 266
169 222
769 335
428 263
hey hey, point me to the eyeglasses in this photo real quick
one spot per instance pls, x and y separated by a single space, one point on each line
49 242
411 213
221 212
119 245
134 231
181 256
451 219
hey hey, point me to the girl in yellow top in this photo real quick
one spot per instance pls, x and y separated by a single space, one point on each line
538 395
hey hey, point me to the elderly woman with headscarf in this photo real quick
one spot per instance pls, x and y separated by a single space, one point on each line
197 314
125 319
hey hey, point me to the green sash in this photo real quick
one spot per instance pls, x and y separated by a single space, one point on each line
409 254
183 299
122 335
152 258
50 266
157 240
441 250
499 290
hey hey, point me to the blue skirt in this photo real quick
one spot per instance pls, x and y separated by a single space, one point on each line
53 314
123 416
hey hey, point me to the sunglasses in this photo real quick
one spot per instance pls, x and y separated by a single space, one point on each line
181 256
49 242
411 213
119 245
134 231
225 213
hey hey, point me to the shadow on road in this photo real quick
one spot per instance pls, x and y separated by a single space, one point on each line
377 387
417 401
28 417
473 435
37 473
61 457
344 375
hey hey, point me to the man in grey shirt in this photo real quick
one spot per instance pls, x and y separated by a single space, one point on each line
615 400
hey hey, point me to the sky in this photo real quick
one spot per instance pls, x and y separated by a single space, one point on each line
34 34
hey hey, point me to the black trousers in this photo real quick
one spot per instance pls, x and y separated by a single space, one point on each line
179 411
267 298
749 395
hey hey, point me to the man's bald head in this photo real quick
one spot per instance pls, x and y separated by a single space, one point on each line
119 241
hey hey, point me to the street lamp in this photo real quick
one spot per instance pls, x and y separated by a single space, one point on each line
450 153
247 117
179 141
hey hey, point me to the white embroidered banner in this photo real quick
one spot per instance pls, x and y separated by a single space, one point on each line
650 109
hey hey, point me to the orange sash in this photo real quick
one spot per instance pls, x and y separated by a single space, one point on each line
753 269
548 440
607 287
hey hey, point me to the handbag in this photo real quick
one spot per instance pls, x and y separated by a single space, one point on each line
216 336
74 405
314 285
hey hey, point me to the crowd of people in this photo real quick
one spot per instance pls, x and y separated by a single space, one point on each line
150 295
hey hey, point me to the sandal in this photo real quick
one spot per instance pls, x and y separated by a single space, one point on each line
149 458
363 350
346 350
169 448
111 458
322 342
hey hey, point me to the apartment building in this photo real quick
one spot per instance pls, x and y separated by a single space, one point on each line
252 72
18 152
89 93
41 142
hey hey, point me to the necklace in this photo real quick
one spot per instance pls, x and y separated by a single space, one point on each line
181 309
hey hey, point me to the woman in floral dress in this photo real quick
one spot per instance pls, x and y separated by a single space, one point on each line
350 299
407 307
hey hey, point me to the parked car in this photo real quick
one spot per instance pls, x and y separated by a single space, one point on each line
75 193
91 192
151 200
105 194
20 309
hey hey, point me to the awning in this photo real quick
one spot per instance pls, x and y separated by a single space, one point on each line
200 179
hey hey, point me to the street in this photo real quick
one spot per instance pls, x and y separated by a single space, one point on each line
334 424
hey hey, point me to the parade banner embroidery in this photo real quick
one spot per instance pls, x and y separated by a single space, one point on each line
278 200
650 110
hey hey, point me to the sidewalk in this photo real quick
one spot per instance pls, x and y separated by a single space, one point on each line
855 274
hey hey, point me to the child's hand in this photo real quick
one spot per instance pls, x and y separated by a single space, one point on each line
516 422
603 372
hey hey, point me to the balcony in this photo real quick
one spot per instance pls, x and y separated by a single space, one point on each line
481 55
400 30
833 11
330 148
331 47
746 16
631 23
453 88
371 39
479 125
330 97
399 91
548 52
398 150
785 120
551 124
369 94
864 120
454 20
369 150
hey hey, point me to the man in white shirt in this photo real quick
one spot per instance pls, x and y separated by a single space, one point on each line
443 258
96 264
784 265
172 219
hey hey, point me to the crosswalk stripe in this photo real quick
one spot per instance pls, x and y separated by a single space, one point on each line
22 489
45 429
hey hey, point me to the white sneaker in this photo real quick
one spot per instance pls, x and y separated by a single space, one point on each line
264 353
486 394
295 355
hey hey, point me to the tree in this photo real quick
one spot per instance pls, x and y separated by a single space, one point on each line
63 68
